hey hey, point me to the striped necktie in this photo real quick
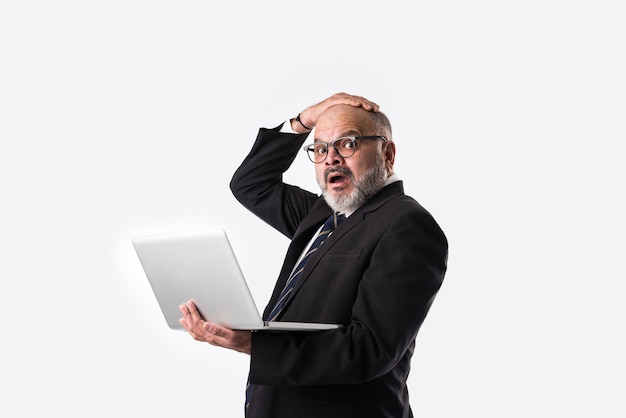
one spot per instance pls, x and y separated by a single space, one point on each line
329 226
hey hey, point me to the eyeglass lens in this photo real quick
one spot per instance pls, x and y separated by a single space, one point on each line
344 146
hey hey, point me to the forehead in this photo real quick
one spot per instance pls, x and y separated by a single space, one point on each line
342 121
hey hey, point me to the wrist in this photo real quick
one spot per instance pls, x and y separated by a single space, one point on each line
308 126
296 127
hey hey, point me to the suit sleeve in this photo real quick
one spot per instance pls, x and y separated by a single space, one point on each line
258 182
405 272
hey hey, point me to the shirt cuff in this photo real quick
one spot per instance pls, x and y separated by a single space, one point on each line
286 128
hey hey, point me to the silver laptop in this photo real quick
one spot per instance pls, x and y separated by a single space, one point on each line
201 266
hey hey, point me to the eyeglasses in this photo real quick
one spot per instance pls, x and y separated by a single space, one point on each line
344 146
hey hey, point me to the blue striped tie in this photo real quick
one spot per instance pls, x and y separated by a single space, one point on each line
329 226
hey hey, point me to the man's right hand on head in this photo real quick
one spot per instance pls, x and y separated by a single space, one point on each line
309 116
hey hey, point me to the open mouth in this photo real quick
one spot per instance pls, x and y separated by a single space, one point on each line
337 179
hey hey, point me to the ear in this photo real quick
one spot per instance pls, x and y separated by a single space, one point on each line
389 155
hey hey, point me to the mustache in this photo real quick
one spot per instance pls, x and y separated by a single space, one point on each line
342 170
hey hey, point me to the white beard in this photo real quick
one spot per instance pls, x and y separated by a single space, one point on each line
364 189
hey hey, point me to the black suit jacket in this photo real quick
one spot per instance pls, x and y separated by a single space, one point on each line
377 274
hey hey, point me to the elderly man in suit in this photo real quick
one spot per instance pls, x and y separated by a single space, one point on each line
376 273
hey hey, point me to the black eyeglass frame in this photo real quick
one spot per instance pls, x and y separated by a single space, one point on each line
310 149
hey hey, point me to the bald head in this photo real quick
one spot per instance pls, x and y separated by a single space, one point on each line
351 120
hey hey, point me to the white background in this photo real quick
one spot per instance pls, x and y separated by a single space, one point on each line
123 118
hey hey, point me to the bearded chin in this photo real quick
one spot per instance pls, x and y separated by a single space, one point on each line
364 189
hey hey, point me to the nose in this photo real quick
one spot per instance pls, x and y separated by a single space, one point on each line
333 157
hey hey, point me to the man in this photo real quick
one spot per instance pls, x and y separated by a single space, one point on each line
376 274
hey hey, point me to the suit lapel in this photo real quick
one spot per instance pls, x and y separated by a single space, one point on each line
384 196
301 239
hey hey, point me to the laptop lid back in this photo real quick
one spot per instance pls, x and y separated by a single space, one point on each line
199 266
